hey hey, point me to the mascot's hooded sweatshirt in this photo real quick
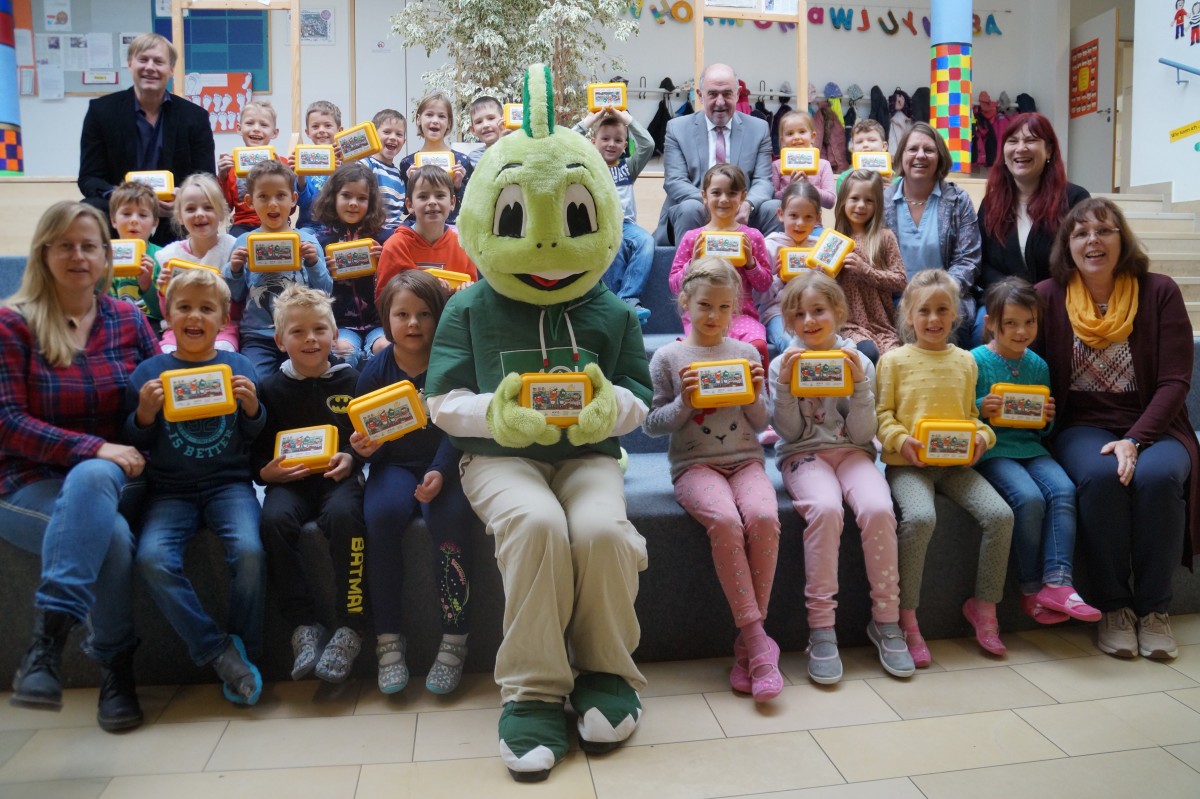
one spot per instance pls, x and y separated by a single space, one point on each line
484 336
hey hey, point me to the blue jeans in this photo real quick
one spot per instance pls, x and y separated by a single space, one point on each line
1135 530
629 271
973 328
778 338
1042 498
86 546
362 344
264 353
231 511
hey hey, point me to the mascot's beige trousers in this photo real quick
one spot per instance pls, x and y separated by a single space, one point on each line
569 559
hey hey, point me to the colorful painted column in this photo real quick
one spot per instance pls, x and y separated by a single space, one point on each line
950 81
12 161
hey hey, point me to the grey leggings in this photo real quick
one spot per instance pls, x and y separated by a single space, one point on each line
913 490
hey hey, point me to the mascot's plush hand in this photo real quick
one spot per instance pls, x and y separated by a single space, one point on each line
514 425
598 418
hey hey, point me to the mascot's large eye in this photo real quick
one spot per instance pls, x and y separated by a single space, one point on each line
579 211
509 219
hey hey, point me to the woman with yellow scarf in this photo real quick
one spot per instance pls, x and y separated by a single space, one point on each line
1119 345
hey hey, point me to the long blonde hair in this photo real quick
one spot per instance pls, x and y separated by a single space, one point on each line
922 283
37 298
872 243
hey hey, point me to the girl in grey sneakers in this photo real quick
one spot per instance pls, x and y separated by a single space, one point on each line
826 452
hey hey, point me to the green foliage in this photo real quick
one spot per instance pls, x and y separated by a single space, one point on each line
490 43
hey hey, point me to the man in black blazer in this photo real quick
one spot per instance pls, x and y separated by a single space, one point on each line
144 128
691 147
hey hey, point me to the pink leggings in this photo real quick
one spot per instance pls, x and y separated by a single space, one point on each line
817 482
738 508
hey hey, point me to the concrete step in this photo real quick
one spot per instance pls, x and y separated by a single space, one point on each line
1193 309
1137 203
1157 241
1190 288
1176 264
1142 222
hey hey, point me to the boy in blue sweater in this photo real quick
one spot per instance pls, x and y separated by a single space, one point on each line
199 474
271 189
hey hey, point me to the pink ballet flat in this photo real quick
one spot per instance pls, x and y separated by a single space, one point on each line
1039 612
921 656
987 629
769 685
1063 599
739 675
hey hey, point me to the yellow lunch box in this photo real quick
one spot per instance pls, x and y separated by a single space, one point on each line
559 396
514 115
162 181
793 262
313 447
723 383
443 159
946 442
1023 405
822 373
456 280
273 252
358 142
313 159
127 257
830 251
799 159
880 162
198 393
349 259
606 94
176 266
730 246
387 413
244 158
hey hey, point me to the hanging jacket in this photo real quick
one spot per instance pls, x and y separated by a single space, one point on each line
743 100
658 125
830 138
879 111
920 105
784 108
1025 104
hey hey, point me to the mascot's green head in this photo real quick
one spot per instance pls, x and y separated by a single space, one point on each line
541 218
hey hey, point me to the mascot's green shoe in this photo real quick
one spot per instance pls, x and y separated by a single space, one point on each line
609 711
533 737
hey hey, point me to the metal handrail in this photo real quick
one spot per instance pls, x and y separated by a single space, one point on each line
1178 69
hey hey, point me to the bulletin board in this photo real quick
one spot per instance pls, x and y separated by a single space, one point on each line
97 16
224 40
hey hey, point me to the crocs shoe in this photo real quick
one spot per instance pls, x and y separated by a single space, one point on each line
609 711
893 651
739 675
307 640
338 657
987 628
533 737
241 681
1063 599
1039 612
824 663
766 681
921 657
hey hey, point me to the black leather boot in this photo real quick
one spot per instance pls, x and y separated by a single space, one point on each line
36 682
118 708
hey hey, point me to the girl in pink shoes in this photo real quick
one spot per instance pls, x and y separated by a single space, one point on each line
717 466
930 378
1019 467
827 452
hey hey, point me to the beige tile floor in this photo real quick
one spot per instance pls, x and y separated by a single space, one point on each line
1053 718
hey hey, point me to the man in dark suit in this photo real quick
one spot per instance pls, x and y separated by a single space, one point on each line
144 128
714 134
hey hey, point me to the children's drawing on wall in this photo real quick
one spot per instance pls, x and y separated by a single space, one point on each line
1195 23
316 26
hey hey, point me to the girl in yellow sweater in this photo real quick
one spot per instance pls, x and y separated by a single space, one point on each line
930 378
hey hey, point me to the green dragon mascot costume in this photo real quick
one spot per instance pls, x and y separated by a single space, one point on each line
542 221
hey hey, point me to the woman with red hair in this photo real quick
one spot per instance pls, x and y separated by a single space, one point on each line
1026 200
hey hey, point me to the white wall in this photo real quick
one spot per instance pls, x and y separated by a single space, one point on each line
1030 56
1083 10
1160 105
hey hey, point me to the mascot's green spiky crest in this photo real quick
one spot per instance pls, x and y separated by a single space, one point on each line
541 218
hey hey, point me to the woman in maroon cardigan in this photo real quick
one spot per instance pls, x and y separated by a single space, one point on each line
1119 345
